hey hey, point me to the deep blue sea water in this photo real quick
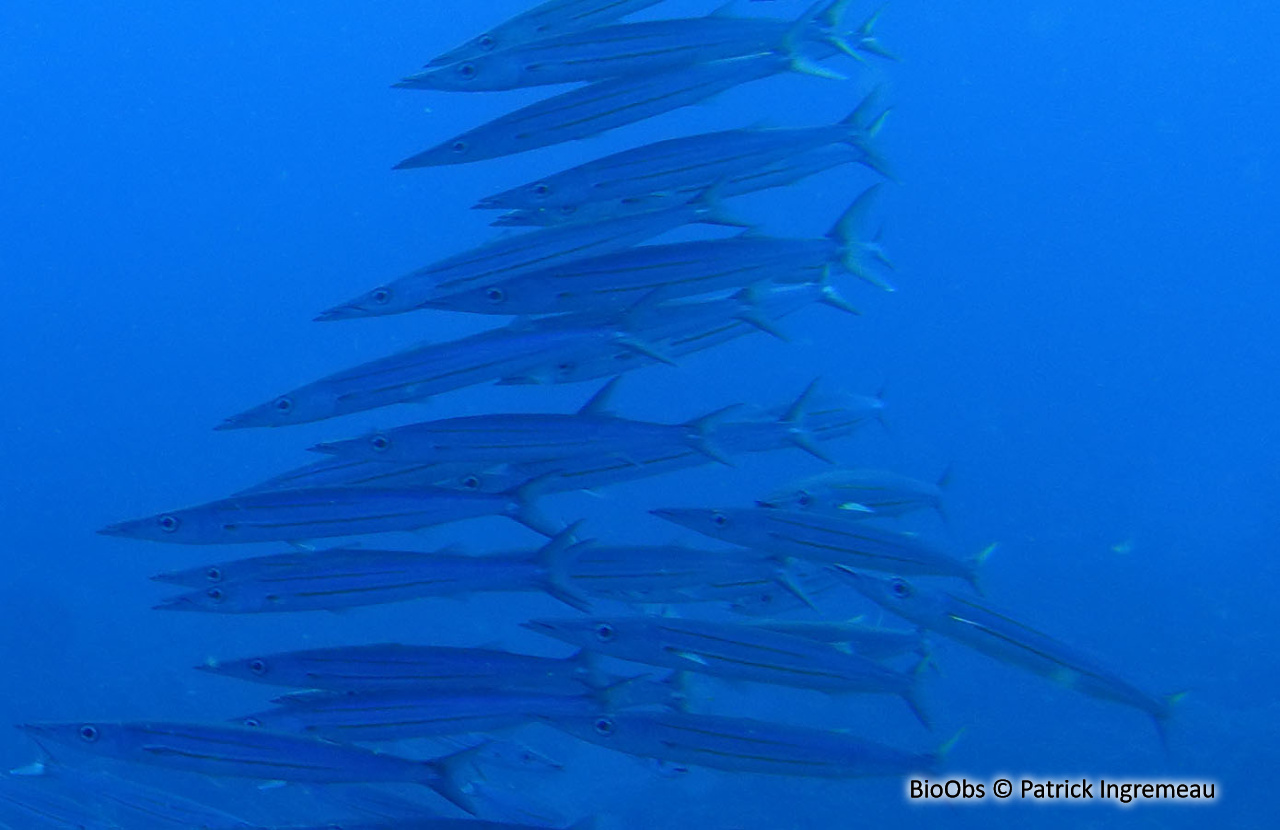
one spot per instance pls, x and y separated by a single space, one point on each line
1085 243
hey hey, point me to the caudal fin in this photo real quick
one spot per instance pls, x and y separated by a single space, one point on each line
702 434
1164 714
450 774
912 695
525 508
975 567
794 52
862 127
855 250
794 420
554 558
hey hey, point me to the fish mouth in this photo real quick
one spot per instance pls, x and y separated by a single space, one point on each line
182 603
327 448
676 515
769 504
341 312
540 626
855 578
234 422
123 530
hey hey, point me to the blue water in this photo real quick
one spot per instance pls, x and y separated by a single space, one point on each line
1086 254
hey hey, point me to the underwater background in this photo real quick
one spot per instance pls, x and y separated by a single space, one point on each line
1084 235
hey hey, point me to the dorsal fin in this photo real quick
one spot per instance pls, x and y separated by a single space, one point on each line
599 404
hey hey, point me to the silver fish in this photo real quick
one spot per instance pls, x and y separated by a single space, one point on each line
812 423
294 515
832 539
670 331
223 751
331 581
524 437
603 106
680 269
742 745
545 20
509 256
999 636
378 716
733 650
628 49
860 492
419 373
398 666
780 173
679 168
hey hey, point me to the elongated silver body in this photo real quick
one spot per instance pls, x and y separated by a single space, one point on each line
972 623
295 515
743 745
398 666
732 650
820 538
508 256
224 751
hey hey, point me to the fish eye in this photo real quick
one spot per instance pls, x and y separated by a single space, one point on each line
605 633
495 294
605 726
258 666
88 733
214 574
168 523
284 404
900 588
719 519
804 499
380 443
486 42
381 296
467 71
471 482
214 594
459 147
253 723
542 189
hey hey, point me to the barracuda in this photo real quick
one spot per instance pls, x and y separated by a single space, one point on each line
603 106
832 539
733 650
334 580
394 665
855 493
628 49
222 751
997 635
742 745
297 515
734 161
680 270
509 256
